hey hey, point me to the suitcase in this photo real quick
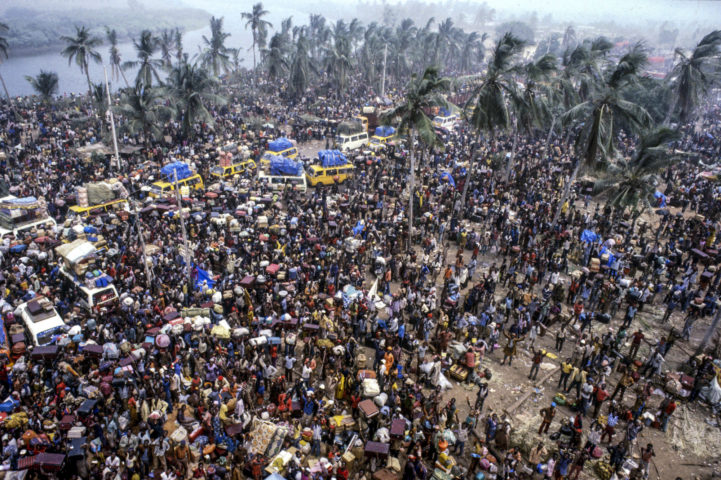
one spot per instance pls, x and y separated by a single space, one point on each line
377 449
385 474
86 408
247 281
459 372
368 408
398 428
363 374
49 462
76 432
272 269
66 423
93 350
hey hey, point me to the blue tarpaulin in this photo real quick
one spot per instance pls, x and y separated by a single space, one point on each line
168 171
589 236
611 256
358 228
203 277
447 176
661 198
279 145
384 131
332 158
285 167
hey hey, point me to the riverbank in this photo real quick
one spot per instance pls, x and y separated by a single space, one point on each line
35 32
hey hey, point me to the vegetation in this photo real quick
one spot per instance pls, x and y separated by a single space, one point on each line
258 27
81 48
36 29
45 84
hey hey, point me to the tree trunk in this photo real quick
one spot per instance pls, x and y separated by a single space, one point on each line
566 192
122 73
411 191
550 134
709 333
90 86
513 150
469 176
5 88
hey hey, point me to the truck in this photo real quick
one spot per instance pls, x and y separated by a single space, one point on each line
369 118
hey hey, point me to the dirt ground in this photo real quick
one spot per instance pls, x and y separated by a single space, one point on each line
689 449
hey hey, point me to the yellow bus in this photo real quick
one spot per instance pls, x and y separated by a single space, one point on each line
318 175
234 169
282 147
161 188
112 206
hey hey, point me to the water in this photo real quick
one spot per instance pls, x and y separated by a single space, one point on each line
71 80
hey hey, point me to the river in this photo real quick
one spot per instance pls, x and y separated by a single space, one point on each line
71 80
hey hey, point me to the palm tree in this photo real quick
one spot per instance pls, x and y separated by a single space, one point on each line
100 99
45 84
115 70
146 46
191 90
472 47
338 60
422 93
300 68
178 45
142 110
490 100
275 57
604 113
256 24
443 40
166 42
81 47
215 54
630 182
4 53
692 76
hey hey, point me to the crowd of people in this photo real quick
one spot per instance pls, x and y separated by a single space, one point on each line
343 361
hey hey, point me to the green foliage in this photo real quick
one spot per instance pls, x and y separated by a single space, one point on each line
45 84
41 29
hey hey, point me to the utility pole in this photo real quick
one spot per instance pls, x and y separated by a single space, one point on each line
709 331
185 235
112 120
383 82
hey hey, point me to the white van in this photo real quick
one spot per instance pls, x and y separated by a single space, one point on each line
89 298
17 218
282 182
41 320
351 141
445 123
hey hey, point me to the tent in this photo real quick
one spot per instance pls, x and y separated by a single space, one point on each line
332 158
279 145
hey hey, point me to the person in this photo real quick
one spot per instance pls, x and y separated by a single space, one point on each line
547 413
647 455
611 422
481 396
535 363
578 463
537 455
461 439
618 455
566 369
668 406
